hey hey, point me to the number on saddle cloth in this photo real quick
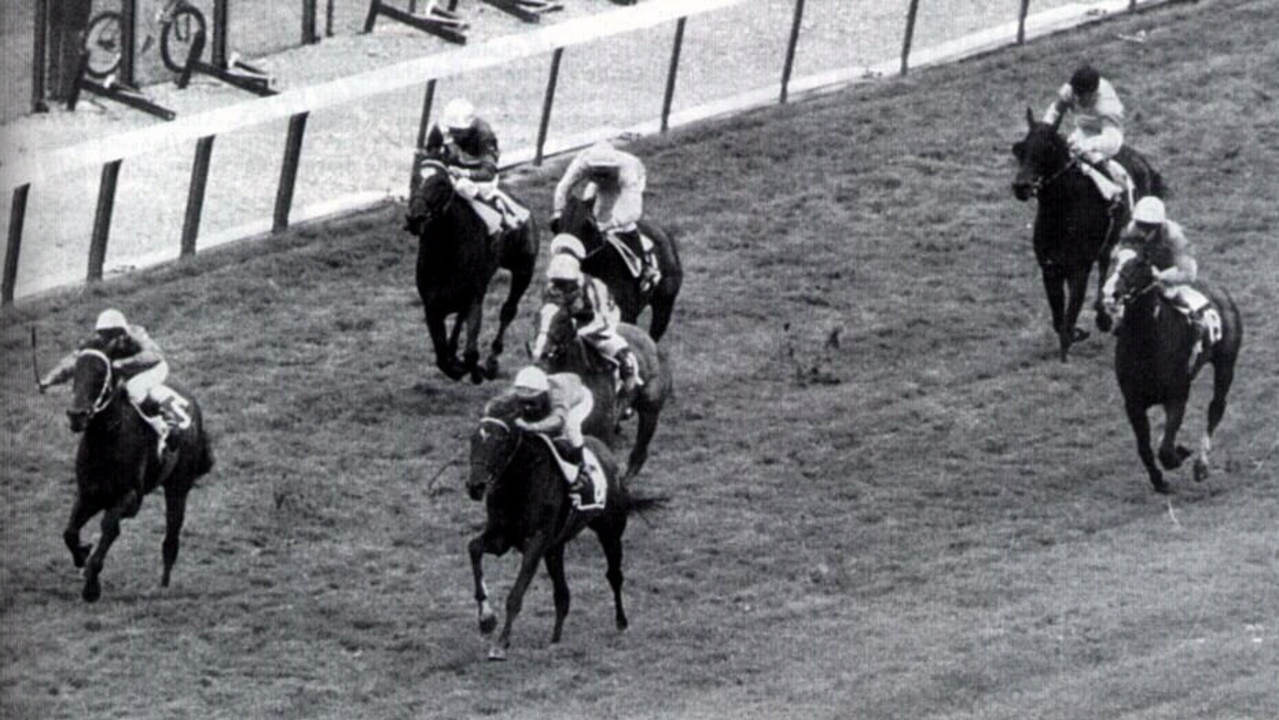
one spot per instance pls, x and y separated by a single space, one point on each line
176 408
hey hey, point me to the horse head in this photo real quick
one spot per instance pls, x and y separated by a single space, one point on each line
432 196
1131 276
92 389
493 446
1042 156
555 333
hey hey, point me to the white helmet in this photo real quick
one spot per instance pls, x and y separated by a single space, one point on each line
459 114
564 267
111 319
565 243
603 155
531 382
1150 211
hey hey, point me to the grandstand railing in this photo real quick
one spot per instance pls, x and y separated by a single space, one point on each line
17 176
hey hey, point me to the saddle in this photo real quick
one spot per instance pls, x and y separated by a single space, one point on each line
634 263
1201 314
598 482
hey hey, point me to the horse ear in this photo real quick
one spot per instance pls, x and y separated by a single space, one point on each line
1030 117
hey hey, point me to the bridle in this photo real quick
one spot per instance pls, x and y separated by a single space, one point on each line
104 395
431 214
493 476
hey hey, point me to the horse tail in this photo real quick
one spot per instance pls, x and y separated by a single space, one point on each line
1158 187
631 503
205 462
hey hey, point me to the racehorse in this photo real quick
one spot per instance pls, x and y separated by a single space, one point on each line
528 508
1073 225
558 348
604 261
117 464
456 259
1156 359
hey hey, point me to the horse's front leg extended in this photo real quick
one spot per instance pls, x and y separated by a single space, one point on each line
1141 430
1055 289
476 549
80 514
445 353
109 532
533 553
1171 454
1070 333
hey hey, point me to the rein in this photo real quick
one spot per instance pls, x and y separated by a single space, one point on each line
1042 182
441 167
519 438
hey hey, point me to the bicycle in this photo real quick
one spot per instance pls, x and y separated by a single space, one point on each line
179 23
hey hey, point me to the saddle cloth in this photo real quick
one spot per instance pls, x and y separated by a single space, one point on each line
633 262
174 406
594 471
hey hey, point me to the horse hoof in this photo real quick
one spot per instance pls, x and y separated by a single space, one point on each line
1201 470
92 591
491 368
488 624
622 624
497 654
1161 486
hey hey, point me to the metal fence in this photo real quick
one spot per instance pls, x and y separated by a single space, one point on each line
296 106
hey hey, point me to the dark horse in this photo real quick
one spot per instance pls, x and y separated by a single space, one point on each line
558 348
606 263
456 259
1073 227
529 509
1155 360
117 464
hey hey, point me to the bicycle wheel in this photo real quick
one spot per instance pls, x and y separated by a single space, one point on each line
178 37
104 42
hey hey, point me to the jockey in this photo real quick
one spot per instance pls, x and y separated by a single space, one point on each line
135 357
1169 253
617 180
557 405
594 314
571 246
467 146
1098 133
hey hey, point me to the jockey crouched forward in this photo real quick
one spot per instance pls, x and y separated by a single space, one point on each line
135 357
617 181
467 146
1099 131
557 405
1174 268
595 316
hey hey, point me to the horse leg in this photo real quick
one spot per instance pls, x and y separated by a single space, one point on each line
519 284
471 357
109 532
1171 454
1223 374
175 509
1055 288
476 547
1077 288
555 568
611 541
661 308
80 514
515 598
445 358
1141 429
643 436
1100 317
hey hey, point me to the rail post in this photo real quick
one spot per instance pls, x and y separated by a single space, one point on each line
289 171
102 220
790 49
423 127
910 33
220 23
128 36
39 59
309 15
17 217
1021 21
328 18
547 102
195 194
672 72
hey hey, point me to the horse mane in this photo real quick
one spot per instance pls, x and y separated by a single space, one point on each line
502 407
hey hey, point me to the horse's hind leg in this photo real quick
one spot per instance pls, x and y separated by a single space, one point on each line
471 356
510 307
175 509
445 348
611 540
1223 376
1069 333
109 532
555 568
1171 455
661 308
80 514
1141 430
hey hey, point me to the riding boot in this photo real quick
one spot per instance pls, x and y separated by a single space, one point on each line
153 413
580 484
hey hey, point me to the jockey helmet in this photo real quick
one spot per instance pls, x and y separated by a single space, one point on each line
111 319
603 155
564 267
531 382
1085 80
1149 211
566 243
459 114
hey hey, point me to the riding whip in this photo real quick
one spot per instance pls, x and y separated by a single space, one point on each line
35 367
431 483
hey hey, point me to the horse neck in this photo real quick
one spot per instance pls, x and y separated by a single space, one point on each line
1148 320
530 481
115 421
